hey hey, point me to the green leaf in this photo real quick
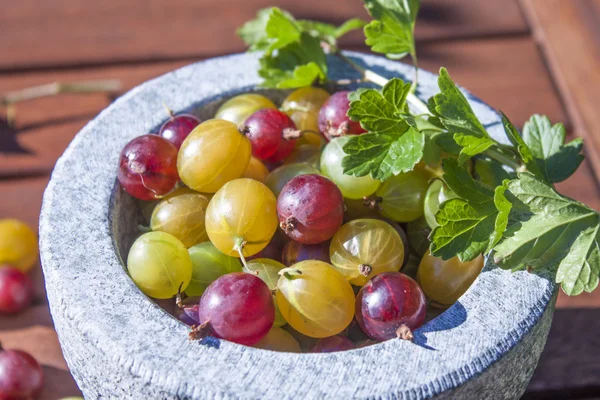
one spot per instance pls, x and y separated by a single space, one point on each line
491 172
379 111
555 159
281 29
471 146
392 31
253 32
392 145
349 26
272 29
469 225
462 183
526 155
319 30
548 231
455 113
383 155
296 65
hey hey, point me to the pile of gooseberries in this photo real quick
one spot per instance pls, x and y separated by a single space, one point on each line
259 238
21 376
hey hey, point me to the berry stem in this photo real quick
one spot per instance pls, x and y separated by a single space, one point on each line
239 247
289 224
291 134
365 269
372 202
199 331
404 333
169 111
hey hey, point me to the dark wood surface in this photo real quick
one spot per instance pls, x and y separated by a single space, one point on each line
522 57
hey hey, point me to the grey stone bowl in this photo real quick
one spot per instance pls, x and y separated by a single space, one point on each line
120 345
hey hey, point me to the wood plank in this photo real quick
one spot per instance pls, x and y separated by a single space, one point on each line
569 34
45 126
509 74
569 366
71 32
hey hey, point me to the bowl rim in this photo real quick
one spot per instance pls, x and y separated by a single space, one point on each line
113 316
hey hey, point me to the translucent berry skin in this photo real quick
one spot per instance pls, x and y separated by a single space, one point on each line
268 270
243 210
364 248
402 196
256 170
387 302
306 153
303 105
212 155
310 209
18 244
239 108
318 302
352 187
159 264
435 195
294 252
16 290
277 179
177 128
238 307
279 340
445 281
21 376
148 167
183 217
208 264
333 118
333 343
265 129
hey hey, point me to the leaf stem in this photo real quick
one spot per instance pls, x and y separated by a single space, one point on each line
377 79
502 158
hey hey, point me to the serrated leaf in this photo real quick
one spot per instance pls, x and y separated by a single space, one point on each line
253 32
380 111
383 155
464 229
471 146
296 65
526 155
462 183
555 159
281 30
548 231
467 225
453 110
392 31
503 206
272 29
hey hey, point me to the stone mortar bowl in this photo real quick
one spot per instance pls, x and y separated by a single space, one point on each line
119 344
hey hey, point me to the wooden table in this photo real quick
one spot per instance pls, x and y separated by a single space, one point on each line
524 57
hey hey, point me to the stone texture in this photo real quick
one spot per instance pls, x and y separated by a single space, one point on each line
121 345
